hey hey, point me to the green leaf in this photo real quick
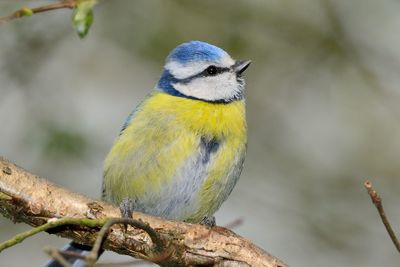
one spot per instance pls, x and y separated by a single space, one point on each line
82 16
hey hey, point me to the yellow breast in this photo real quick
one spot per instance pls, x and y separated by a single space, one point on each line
213 119
154 155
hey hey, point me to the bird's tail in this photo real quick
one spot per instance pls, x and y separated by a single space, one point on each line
75 248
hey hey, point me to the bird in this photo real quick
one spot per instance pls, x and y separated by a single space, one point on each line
180 153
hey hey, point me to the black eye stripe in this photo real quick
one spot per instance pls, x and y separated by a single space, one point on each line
203 73
214 70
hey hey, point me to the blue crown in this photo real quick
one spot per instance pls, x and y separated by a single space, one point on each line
195 51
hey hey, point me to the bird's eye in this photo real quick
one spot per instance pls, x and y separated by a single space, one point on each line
211 70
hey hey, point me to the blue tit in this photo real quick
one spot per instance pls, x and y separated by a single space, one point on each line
181 151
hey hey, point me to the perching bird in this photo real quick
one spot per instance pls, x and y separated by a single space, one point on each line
181 152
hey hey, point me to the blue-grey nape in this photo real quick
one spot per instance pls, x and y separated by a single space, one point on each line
166 84
195 51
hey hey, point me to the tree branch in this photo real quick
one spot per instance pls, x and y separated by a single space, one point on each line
27 198
23 12
376 199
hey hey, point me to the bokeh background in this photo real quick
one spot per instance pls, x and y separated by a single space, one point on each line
322 106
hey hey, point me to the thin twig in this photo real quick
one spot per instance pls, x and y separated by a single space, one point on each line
23 12
92 257
55 254
376 199
92 223
71 254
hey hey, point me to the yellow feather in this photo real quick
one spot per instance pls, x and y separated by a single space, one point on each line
208 118
175 124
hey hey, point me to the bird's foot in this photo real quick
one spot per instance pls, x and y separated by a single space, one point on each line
208 221
127 207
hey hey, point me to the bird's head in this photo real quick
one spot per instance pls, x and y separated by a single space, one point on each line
202 71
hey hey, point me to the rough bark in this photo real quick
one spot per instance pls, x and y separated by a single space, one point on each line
30 199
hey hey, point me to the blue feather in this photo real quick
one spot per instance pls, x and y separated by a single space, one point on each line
208 147
165 84
127 121
195 51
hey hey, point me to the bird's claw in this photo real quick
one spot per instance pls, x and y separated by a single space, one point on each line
208 221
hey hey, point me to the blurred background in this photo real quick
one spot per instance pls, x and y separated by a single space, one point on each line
322 106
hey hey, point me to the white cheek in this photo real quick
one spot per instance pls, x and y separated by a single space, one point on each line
223 86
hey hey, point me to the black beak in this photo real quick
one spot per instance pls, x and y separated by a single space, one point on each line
240 66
